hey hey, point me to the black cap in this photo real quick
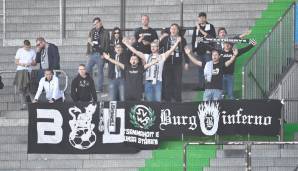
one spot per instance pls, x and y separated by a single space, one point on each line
96 18
202 14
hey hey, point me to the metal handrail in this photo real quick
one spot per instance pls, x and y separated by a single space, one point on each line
66 77
4 22
247 144
268 34
55 72
250 74
262 51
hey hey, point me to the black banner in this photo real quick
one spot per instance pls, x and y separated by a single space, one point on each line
126 127
79 128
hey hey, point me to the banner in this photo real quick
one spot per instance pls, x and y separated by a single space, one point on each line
79 128
127 127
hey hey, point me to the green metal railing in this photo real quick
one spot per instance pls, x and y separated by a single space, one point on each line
272 58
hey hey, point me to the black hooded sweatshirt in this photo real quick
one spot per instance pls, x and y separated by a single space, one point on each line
83 89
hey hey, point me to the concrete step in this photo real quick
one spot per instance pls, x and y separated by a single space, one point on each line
33 19
225 1
285 168
16 4
7 90
21 130
144 154
78 169
12 148
6 106
41 12
10 98
258 153
32 34
234 147
63 64
12 139
225 168
226 7
227 162
32 27
71 164
275 161
16 114
230 153
227 15
5 122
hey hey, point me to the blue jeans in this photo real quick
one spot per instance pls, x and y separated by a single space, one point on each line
153 91
116 89
228 85
95 59
212 94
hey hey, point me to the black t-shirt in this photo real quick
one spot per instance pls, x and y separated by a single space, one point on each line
133 82
227 56
149 35
217 76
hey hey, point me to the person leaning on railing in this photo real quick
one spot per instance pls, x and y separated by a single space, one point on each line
49 83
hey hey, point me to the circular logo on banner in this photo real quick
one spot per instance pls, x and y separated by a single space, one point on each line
142 116
208 113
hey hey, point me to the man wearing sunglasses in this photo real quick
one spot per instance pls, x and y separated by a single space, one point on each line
47 54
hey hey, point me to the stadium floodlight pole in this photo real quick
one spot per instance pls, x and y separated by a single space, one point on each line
181 13
62 19
4 23
122 14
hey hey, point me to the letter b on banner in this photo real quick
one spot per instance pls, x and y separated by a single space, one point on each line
49 132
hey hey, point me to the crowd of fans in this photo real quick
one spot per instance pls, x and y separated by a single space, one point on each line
144 64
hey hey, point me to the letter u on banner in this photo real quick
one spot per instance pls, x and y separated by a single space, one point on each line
55 127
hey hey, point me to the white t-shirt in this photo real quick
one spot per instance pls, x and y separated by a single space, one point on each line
25 56
154 73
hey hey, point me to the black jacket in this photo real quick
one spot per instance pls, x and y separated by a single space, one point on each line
83 89
165 45
104 41
124 59
53 57
201 46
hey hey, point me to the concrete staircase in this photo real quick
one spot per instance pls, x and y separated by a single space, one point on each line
264 158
